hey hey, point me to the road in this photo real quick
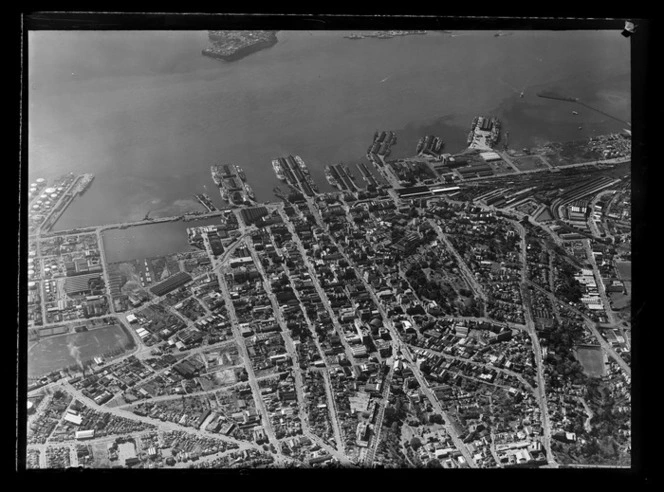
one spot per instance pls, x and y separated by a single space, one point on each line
378 426
292 352
537 349
178 396
319 289
551 168
260 404
167 426
592 326
513 374
470 278
331 404
610 314
398 345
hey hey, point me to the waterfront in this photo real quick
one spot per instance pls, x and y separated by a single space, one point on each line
148 115
148 241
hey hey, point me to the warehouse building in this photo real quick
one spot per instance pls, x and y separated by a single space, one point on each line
171 283
490 156
85 434
80 283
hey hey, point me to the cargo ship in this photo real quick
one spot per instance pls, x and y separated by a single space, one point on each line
216 174
330 177
240 173
350 173
430 145
278 170
249 192
302 165
471 133
295 173
382 143
223 193
205 200
307 175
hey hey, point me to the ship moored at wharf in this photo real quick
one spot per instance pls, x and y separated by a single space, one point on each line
278 170
232 186
330 178
295 173
249 192
240 172
205 200
382 143
430 145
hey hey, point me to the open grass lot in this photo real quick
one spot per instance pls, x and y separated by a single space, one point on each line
573 152
59 352
624 269
501 167
592 360
528 163
619 301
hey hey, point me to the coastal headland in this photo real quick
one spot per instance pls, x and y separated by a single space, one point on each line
234 45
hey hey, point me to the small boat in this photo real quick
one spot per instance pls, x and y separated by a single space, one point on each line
574 113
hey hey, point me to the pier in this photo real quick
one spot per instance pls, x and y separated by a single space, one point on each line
549 95
77 188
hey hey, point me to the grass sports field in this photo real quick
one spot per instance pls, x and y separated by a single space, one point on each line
592 360
59 352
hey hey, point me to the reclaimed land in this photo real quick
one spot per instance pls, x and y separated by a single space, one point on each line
60 352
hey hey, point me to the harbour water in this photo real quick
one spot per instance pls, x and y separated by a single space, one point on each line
148 241
148 114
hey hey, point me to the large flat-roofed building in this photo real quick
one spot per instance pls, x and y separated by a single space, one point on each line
74 419
490 156
85 434
171 283
80 283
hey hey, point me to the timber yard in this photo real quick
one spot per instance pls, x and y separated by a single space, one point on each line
467 310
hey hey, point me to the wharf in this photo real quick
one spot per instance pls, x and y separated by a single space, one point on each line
77 188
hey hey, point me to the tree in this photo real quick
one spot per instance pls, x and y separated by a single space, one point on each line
415 443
